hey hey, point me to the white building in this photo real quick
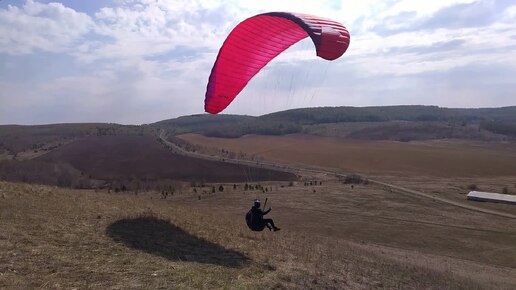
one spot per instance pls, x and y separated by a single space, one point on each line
492 197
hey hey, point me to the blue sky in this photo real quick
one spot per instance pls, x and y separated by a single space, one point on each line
141 61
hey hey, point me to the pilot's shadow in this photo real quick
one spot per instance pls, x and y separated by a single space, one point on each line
162 238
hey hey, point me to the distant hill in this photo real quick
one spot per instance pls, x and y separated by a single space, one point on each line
229 126
18 138
392 113
85 155
206 124
143 158
92 155
403 123
128 162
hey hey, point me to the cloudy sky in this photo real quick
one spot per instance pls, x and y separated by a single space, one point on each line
141 61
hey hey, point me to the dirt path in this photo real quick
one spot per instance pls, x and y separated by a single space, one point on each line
300 171
262 164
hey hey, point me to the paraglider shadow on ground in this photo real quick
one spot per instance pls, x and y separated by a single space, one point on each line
162 238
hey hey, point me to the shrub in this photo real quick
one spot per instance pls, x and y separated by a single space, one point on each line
353 179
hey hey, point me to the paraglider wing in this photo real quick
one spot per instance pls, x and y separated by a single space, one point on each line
257 40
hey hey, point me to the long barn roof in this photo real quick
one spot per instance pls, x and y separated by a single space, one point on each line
490 196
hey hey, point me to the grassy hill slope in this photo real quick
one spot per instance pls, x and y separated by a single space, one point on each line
56 238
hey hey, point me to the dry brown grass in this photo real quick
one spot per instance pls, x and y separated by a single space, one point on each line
54 238
456 188
443 168
434 158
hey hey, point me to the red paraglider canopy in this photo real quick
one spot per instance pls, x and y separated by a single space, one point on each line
257 40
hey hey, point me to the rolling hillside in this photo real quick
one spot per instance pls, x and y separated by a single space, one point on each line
402 123
126 162
85 155
143 158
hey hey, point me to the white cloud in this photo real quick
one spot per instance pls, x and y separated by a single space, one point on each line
422 8
510 13
139 61
35 26
146 28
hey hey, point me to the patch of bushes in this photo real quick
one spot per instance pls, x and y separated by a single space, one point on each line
354 179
